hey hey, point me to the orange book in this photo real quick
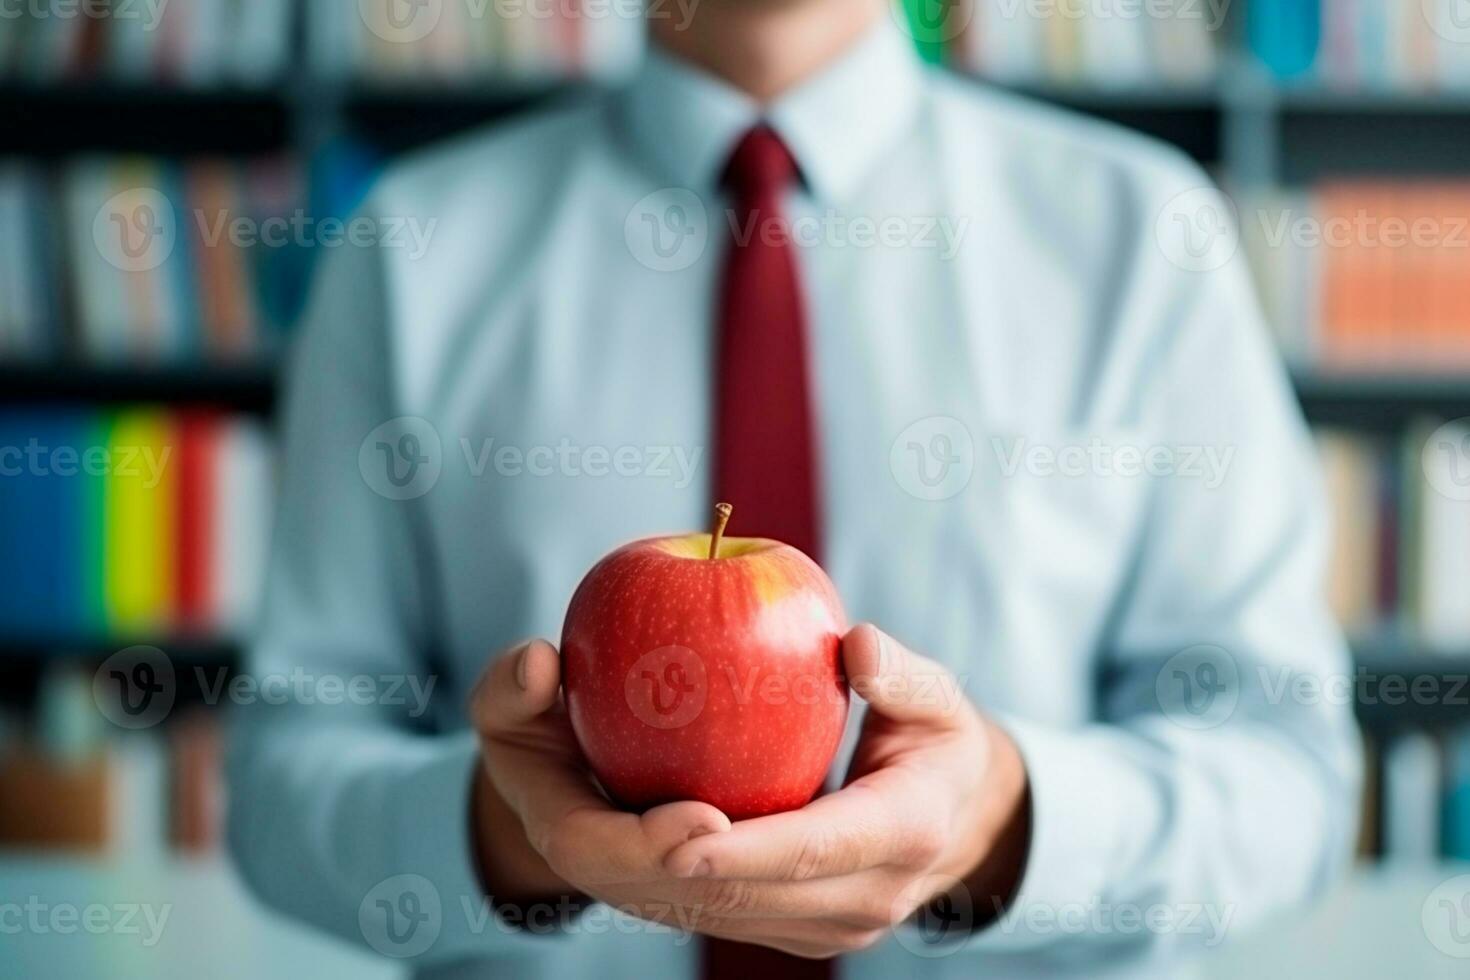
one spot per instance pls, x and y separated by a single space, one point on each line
1380 234
1342 278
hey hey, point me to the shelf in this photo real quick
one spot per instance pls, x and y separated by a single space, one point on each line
196 662
1381 402
243 388
1397 689
1373 402
185 650
56 120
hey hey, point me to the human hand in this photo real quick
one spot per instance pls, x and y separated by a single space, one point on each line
541 827
936 796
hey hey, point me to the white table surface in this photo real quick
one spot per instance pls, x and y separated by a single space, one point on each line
1369 928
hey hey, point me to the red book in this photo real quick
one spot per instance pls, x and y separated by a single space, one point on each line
198 448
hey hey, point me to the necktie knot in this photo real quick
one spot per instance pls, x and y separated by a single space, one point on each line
760 164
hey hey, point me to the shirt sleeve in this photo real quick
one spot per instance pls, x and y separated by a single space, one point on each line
1219 782
348 787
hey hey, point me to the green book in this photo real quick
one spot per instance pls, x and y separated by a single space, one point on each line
933 24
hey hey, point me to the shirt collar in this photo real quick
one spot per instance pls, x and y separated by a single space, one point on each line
686 122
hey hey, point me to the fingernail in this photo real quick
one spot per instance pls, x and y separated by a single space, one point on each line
522 667
701 869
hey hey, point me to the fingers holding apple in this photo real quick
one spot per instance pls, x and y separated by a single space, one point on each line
932 802
703 667
542 827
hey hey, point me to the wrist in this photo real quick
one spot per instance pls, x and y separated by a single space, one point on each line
1004 830
511 872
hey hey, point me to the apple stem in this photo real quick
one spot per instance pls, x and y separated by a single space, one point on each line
722 518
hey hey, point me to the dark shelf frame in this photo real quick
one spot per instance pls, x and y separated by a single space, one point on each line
1381 403
245 388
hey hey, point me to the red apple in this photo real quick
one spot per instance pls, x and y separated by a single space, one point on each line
707 668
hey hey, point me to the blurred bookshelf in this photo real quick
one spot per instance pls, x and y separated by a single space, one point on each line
322 98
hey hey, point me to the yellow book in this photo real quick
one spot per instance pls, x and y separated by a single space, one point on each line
138 516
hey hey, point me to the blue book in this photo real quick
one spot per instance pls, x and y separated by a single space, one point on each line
181 273
1456 829
43 489
1285 34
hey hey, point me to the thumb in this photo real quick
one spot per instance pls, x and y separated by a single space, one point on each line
517 686
898 683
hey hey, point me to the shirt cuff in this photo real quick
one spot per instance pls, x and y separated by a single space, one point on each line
432 829
1089 809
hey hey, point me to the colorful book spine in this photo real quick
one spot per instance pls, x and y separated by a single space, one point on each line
133 524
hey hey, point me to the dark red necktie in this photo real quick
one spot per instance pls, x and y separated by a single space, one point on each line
765 428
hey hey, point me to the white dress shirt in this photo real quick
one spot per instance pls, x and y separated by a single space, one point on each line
1058 455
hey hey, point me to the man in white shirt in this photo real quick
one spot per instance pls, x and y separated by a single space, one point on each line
1037 436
